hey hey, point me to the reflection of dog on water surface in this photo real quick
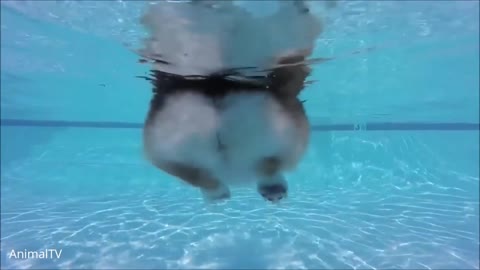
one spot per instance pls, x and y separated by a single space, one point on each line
217 129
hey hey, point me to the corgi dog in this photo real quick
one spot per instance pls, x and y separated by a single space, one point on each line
213 126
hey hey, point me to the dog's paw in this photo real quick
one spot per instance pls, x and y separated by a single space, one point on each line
273 189
214 195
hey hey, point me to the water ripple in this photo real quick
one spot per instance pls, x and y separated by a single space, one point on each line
366 202
158 231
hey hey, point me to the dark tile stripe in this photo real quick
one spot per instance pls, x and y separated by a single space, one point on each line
393 126
68 124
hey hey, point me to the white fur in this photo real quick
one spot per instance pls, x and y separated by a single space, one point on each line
252 126
277 179
215 194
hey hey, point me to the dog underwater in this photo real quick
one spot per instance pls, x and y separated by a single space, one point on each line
225 109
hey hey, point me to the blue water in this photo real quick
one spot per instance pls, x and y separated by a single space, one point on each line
390 179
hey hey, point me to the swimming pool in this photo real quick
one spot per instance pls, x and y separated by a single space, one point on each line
390 179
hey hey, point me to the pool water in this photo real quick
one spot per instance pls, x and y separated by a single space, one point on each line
390 179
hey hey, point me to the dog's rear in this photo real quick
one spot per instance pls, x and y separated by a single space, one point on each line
215 131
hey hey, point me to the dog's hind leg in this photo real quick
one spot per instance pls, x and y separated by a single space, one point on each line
211 188
272 184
